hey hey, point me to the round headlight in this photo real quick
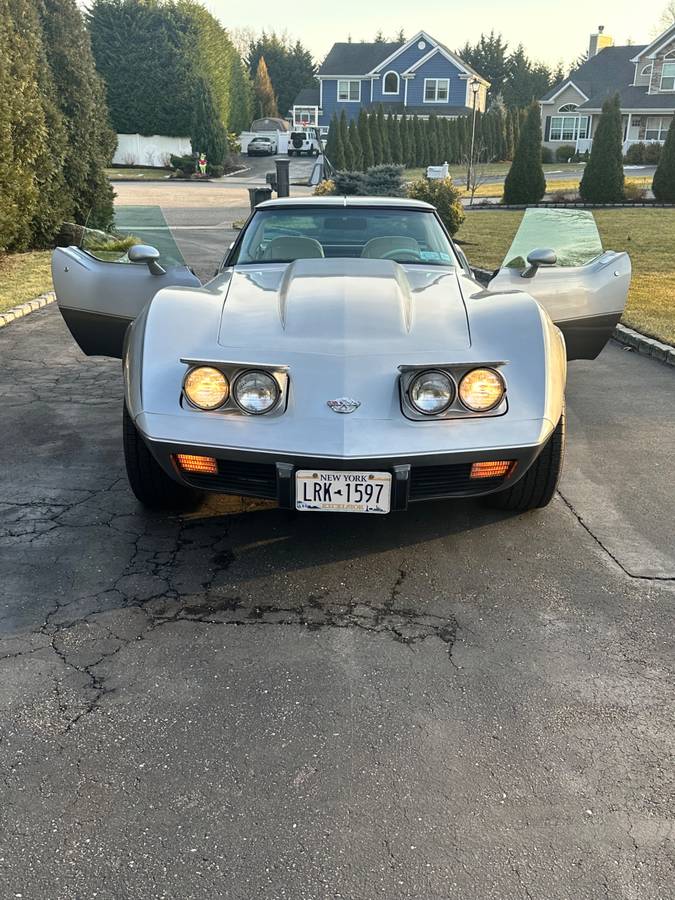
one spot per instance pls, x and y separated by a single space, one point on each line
256 392
481 390
206 387
431 392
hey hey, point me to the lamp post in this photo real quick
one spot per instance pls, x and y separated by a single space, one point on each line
475 87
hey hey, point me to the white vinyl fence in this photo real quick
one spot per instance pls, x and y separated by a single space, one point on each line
152 150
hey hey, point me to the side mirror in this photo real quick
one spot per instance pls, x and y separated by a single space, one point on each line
146 254
538 258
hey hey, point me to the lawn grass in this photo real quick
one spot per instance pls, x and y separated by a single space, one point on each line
23 276
136 174
494 169
648 235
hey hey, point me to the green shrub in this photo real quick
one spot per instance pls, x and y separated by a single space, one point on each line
652 154
635 155
349 183
565 152
183 165
384 181
546 155
215 171
442 194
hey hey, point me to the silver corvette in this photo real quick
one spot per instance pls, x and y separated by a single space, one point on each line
347 358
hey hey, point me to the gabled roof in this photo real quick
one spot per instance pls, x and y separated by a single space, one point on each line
307 97
651 50
609 71
356 59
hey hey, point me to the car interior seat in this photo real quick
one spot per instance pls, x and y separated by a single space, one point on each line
378 247
289 248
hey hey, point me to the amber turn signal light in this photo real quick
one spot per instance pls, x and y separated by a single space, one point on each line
197 465
492 469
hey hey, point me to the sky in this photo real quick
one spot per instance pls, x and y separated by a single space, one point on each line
551 33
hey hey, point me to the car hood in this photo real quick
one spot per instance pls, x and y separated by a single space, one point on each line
344 307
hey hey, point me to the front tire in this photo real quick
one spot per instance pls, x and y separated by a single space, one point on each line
148 480
537 487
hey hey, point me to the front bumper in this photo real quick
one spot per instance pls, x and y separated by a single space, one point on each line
271 476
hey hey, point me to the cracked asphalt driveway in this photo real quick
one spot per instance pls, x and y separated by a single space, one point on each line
448 703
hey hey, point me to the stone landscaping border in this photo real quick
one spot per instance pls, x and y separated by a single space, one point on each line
24 309
645 345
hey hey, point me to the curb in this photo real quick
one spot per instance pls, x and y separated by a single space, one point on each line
647 346
25 309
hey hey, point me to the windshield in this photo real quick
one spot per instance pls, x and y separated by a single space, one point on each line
403 235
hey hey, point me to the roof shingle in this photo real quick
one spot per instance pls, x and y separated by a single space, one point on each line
356 59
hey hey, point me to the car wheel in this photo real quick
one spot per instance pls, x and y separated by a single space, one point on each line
148 480
537 487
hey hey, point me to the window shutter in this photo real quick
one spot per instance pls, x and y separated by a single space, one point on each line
547 129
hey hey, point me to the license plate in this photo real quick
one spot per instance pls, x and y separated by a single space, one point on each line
357 492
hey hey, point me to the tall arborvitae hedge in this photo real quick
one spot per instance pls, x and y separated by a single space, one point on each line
54 136
663 184
151 56
81 98
525 182
207 133
366 141
603 178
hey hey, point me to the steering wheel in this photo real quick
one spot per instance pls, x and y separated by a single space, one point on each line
404 254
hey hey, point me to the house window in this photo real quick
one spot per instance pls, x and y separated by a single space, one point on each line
349 91
668 77
568 107
391 83
436 90
656 128
646 70
568 128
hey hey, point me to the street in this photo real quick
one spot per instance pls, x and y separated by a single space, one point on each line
245 702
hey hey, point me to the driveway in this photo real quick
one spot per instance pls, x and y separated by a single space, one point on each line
242 702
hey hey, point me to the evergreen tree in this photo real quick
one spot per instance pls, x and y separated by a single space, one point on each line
365 139
375 138
331 142
339 160
411 142
345 135
289 64
663 184
508 141
603 178
396 142
525 182
265 101
22 122
356 148
420 143
384 136
207 134
241 100
432 142
403 138
81 98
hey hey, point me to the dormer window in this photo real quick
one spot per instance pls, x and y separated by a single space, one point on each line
568 107
668 76
391 83
646 70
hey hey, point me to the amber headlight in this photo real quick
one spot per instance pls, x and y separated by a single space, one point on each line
481 390
431 392
206 387
256 392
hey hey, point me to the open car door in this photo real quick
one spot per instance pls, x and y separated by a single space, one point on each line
99 297
585 292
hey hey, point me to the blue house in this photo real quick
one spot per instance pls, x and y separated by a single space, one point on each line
417 77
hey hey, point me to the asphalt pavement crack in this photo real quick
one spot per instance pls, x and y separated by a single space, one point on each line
607 551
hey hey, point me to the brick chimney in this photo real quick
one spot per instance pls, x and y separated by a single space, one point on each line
599 41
